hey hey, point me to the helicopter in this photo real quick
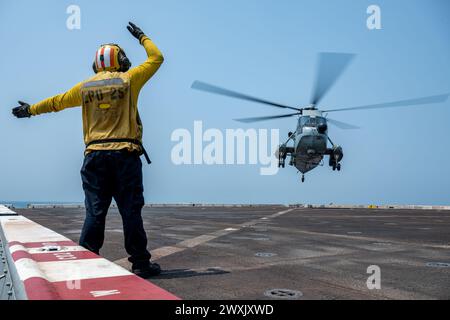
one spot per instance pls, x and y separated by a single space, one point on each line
310 138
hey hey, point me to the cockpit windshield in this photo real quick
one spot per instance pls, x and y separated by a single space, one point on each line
308 121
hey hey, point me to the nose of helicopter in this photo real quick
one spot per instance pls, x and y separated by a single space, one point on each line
312 141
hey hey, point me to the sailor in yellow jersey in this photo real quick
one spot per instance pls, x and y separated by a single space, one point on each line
112 132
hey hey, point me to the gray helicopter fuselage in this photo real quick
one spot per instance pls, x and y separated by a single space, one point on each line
310 140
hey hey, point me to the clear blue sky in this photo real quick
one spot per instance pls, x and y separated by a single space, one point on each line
265 48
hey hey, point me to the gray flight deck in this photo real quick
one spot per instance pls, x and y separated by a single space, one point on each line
244 252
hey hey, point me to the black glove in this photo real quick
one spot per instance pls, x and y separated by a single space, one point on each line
22 111
135 31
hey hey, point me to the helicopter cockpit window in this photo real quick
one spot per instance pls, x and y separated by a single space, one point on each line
308 121
303 120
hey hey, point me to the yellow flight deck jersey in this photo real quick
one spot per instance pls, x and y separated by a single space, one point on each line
109 103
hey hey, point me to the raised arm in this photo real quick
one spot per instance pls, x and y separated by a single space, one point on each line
142 73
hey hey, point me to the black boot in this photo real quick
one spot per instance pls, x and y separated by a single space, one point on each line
147 270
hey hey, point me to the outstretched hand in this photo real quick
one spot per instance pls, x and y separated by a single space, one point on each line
22 111
135 31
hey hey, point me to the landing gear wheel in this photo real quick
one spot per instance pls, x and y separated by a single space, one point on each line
334 167
281 157
338 167
281 162
303 178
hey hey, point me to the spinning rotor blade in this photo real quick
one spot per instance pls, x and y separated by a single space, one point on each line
401 103
225 92
256 119
342 125
329 68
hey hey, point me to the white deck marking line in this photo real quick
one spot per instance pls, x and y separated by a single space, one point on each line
104 293
68 270
5 210
21 229
28 268
196 241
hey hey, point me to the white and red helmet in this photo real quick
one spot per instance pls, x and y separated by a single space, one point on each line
111 57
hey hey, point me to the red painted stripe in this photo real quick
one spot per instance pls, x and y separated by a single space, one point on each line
42 244
113 288
21 255
63 256
40 289
54 256
102 51
111 57
125 288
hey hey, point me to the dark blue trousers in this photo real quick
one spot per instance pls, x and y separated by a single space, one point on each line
114 174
